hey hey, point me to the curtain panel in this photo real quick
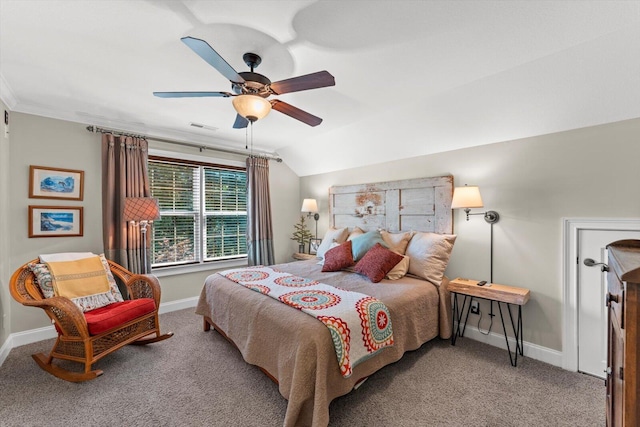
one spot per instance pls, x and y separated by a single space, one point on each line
259 229
124 174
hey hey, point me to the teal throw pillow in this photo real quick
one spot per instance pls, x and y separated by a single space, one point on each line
361 244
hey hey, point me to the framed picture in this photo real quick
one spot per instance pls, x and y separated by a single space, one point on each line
55 221
54 183
313 245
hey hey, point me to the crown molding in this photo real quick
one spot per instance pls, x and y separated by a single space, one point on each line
6 93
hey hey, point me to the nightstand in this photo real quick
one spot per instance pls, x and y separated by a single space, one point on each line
299 256
502 294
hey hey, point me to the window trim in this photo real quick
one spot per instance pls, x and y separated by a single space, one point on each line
202 264
187 157
212 266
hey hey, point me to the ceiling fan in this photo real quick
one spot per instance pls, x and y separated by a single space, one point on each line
251 89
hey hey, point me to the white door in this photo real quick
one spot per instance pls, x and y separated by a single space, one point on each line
592 288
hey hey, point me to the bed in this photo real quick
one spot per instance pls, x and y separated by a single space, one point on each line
294 349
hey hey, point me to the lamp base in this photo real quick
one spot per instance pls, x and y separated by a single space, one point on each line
144 266
491 217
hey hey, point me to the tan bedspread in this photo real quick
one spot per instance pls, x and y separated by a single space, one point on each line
297 350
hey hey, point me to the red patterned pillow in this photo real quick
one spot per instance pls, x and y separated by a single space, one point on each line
377 262
335 259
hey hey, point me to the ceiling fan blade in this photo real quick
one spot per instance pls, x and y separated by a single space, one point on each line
191 94
240 122
295 112
306 82
206 52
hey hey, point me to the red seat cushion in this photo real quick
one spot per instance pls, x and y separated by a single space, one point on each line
105 318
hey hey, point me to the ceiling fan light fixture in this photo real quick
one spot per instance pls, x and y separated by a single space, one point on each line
251 107
251 89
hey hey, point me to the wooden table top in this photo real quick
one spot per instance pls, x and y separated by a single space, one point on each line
490 291
301 256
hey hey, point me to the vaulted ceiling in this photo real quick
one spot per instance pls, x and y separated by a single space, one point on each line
412 77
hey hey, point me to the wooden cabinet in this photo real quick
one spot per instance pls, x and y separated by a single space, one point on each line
623 301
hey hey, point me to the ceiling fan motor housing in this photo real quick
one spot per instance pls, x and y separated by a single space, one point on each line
255 84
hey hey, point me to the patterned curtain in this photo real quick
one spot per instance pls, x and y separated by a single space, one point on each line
259 229
124 174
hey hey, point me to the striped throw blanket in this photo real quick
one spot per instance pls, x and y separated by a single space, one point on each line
360 325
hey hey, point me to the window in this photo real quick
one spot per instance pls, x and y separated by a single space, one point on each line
203 210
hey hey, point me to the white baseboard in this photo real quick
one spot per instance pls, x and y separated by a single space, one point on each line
534 351
26 337
181 304
4 350
18 339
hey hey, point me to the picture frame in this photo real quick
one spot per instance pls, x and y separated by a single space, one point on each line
55 221
55 183
314 244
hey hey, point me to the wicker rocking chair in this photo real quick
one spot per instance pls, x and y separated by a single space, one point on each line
75 342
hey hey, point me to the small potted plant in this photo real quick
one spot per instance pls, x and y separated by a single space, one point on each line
301 234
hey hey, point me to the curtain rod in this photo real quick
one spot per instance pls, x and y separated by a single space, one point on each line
201 147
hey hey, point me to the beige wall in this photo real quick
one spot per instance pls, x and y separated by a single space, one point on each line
42 141
532 183
4 230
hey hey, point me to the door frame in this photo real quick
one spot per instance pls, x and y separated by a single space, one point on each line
570 230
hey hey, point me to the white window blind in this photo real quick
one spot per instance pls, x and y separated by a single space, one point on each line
203 210
225 210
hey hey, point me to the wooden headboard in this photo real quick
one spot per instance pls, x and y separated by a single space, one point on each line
421 204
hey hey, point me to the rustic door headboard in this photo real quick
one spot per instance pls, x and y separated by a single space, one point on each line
421 204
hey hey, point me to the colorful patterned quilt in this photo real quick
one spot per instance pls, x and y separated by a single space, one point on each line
360 325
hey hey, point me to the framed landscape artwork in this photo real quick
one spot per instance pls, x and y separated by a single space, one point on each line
55 183
55 221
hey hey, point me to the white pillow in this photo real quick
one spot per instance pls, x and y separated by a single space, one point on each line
333 245
429 255
397 242
337 235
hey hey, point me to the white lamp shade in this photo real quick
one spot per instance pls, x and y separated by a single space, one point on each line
309 205
140 209
251 107
466 197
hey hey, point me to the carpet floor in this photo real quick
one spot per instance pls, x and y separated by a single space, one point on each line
197 378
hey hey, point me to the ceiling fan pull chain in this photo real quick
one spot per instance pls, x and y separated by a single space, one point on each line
246 138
